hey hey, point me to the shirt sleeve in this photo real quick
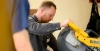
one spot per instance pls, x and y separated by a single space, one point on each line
20 15
42 28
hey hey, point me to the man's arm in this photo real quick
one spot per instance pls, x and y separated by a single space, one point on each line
43 28
21 41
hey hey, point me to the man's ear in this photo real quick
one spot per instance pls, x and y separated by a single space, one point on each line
42 9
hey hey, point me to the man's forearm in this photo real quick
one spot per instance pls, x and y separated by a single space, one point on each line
22 41
43 28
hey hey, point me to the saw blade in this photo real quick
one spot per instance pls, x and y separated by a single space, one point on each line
66 42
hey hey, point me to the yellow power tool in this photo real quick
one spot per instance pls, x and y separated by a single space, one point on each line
83 37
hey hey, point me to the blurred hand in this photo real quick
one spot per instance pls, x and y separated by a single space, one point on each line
65 23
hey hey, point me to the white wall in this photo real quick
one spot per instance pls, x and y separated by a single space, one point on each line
77 10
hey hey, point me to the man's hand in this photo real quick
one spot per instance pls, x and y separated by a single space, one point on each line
65 23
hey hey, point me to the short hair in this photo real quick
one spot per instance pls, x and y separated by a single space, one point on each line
48 4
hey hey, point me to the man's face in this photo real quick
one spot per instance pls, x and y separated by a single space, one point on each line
48 14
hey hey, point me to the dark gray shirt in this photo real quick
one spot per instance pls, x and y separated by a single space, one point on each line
37 30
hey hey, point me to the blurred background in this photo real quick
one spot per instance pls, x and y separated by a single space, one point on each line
77 10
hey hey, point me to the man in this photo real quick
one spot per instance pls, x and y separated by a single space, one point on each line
41 30
19 25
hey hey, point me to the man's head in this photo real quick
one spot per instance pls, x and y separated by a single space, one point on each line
46 11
